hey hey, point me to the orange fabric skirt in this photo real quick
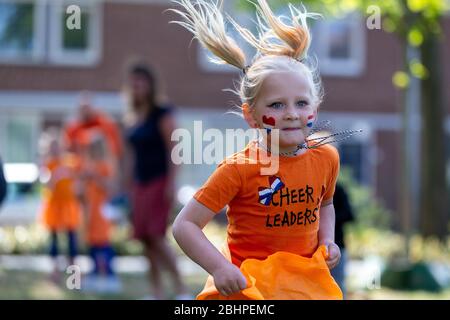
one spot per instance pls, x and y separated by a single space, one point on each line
61 214
281 276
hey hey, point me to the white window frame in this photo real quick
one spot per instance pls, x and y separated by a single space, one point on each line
38 35
60 56
355 64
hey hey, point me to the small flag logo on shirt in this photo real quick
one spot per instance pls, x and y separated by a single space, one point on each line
265 194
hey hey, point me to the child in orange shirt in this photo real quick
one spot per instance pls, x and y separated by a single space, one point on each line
280 239
97 174
61 209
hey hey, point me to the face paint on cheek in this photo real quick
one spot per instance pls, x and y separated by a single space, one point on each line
310 122
269 123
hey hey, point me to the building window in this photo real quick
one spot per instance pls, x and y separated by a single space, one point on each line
75 46
339 46
18 145
20 30
18 148
20 132
35 31
351 156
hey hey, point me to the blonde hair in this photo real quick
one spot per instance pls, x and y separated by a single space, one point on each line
50 136
280 46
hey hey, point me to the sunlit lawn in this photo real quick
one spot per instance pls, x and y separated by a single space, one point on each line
37 285
387 294
26 284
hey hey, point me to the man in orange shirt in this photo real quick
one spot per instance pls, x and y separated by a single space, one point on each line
89 119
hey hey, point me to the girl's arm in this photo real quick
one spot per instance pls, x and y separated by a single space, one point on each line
326 233
187 230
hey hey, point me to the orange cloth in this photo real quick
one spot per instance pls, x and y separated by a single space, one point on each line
61 209
77 133
282 276
290 220
98 226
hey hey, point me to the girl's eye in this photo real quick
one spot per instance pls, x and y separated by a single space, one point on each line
276 105
302 103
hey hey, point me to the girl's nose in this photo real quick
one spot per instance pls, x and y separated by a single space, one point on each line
292 113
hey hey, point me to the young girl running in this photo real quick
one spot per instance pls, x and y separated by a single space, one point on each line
280 237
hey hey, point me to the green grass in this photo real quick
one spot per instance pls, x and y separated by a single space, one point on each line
388 294
25 285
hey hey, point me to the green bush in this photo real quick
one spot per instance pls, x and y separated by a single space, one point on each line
369 213
30 239
370 233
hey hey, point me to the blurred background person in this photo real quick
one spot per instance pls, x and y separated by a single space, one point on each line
97 174
344 214
61 211
149 126
90 118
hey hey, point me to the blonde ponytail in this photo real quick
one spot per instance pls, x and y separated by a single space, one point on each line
281 46
295 38
207 24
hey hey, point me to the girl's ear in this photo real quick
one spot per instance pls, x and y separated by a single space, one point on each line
248 115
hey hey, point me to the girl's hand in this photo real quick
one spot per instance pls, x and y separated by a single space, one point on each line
229 280
334 254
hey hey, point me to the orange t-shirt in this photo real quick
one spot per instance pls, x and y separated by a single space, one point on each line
271 213
77 133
